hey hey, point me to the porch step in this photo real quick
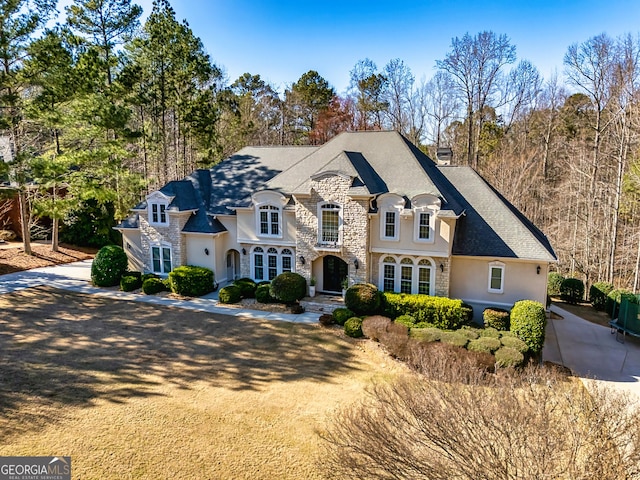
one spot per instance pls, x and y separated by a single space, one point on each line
322 303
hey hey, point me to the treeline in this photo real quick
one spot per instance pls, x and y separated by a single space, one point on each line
104 109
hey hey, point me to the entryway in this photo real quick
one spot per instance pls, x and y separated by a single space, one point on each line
233 265
334 272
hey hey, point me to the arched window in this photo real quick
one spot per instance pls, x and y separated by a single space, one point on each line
424 277
272 263
330 223
406 275
258 263
389 274
269 221
269 262
287 260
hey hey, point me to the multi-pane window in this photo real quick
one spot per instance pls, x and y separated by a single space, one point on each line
496 277
424 229
268 265
258 263
390 224
287 260
389 274
272 259
330 223
424 277
161 259
406 275
269 217
158 214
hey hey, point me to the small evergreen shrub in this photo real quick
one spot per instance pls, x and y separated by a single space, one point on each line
615 297
454 338
515 343
528 322
191 281
341 315
363 299
128 283
572 290
108 266
470 333
149 275
467 313
496 318
247 287
508 357
554 280
484 344
598 293
426 334
151 286
406 320
263 293
490 332
441 312
353 327
375 326
133 274
230 294
289 287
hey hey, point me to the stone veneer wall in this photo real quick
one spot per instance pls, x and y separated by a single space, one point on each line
172 234
355 227
441 288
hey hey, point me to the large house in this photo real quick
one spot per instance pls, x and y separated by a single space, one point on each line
364 207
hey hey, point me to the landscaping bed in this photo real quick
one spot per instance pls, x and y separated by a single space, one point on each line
13 258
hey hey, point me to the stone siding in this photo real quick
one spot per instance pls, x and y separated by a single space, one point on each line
171 234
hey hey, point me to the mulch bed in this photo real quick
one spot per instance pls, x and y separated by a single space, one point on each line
13 258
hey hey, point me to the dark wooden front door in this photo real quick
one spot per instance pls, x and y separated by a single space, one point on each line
335 270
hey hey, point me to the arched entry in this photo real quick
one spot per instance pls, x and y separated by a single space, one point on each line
233 265
334 271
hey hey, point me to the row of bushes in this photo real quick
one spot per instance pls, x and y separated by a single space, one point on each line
603 296
288 287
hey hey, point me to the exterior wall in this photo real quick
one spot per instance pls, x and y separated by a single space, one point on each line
224 243
247 228
355 229
441 282
132 245
195 249
443 236
470 278
171 234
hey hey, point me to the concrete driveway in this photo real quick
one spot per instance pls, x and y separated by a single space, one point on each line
591 351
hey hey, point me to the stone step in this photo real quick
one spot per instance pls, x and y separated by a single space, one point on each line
325 305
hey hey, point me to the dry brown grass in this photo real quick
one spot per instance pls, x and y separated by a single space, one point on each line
132 390
13 258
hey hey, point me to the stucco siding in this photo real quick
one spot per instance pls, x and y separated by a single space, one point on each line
132 244
196 255
440 246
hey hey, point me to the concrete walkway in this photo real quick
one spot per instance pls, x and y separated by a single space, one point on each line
591 351
75 277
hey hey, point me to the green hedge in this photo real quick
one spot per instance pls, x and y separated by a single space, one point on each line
528 322
128 283
598 293
230 294
406 320
191 281
353 327
363 299
508 357
341 315
554 280
572 290
108 266
288 287
484 344
614 299
496 318
441 312
247 286
515 343
263 293
151 286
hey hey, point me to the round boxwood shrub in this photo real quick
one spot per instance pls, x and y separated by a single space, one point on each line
598 294
406 320
528 322
496 318
508 357
572 290
515 343
454 338
363 299
341 315
191 281
149 275
247 287
151 286
230 294
430 334
490 332
289 287
108 266
353 327
484 344
554 280
470 333
263 293
128 283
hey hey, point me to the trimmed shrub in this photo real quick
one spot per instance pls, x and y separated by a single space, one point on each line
247 287
363 299
263 293
133 274
484 344
490 332
528 322
406 320
353 327
191 281
128 283
288 287
375 326
515 343
496 318
508 357
230 294
149 275
454 338
441 312
108 266
470 333
614 299
426 334
151 286
467 313
572 290
341 315
554 280
598 294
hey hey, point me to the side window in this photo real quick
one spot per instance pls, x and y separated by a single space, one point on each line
496 277
389 227
258 263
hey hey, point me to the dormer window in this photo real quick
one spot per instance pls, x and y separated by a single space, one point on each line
425 209
269 221
158 213
390 225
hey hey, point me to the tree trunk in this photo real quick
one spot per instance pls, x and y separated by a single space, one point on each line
24 222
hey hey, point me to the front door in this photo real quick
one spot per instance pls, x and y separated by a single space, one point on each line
334 271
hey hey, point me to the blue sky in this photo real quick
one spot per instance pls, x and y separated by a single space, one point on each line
281 40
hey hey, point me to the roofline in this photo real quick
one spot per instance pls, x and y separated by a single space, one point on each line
497 257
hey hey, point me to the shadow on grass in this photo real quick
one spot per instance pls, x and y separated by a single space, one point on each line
61 349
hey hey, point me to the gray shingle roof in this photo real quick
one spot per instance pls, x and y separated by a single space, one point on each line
491 226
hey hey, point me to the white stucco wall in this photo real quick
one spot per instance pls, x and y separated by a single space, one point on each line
196 245
132 245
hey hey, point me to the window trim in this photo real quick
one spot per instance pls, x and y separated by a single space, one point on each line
162 209
497 266
320 214
396 224
263 250
270 208
418 212
415 266
161 246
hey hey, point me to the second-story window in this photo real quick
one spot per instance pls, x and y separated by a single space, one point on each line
269 221
158 214
424 226
329 223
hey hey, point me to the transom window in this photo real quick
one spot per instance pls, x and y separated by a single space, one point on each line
330 223
161 259
268 265
269 221
158 214
407 276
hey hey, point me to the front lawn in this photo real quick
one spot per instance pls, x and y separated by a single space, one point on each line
131 390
